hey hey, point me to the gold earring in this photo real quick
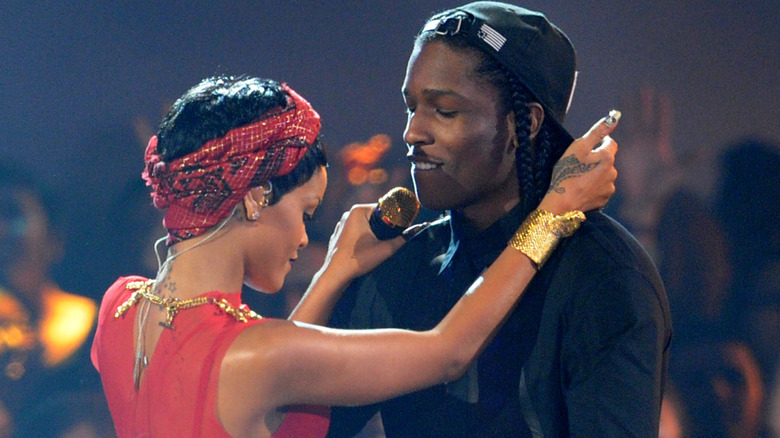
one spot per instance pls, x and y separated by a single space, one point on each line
267 195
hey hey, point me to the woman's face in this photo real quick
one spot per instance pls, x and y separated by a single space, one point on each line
282 229
460 145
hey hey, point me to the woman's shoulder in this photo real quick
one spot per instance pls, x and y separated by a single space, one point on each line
126 283
124 286
119 292
265 332
269 347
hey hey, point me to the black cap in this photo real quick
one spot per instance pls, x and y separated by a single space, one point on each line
523 41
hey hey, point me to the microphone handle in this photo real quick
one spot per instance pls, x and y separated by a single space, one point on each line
382 229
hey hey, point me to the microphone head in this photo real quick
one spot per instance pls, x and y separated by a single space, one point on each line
396 211
399 207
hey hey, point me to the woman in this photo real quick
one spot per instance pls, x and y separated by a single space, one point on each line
239 167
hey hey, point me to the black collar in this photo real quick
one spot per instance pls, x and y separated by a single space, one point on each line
481 247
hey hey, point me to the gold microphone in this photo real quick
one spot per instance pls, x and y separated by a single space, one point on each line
396 211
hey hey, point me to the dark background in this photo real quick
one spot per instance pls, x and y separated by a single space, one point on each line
81 85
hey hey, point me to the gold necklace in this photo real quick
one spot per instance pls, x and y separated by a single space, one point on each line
172 306
143 289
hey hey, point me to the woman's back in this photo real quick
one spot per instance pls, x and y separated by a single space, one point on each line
177 394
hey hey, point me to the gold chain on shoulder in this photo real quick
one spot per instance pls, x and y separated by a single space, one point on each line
172 306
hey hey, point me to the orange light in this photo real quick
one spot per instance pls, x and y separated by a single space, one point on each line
377 176
69 319
366 154
357 176
360 160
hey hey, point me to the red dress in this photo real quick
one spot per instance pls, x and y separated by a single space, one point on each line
178 394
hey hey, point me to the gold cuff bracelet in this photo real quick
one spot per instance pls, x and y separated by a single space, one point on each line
541 231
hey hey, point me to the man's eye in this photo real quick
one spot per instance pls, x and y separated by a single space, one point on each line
447 113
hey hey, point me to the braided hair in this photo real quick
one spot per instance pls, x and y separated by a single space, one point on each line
534 159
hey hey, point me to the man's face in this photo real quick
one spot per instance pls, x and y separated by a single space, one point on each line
23 227
461 147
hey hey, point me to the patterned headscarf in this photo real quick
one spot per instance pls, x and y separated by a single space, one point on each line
200 189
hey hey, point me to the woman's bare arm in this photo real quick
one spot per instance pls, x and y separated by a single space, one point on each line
353 250
280 363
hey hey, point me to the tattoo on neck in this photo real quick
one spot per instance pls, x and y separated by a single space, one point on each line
568 167
167 289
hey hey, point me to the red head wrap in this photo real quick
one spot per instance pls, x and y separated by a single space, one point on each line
201 189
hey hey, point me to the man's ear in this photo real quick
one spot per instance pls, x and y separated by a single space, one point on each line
511 128
536 113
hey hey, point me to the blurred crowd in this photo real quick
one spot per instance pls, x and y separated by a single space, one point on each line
718 251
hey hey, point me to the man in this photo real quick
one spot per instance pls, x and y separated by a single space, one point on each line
585 353
43 329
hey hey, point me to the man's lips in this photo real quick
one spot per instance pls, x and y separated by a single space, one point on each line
424 165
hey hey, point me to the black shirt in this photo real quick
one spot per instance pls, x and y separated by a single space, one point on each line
583 354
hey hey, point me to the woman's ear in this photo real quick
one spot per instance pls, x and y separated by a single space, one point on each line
536 113
257 199
251 206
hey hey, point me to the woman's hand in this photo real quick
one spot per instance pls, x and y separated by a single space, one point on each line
584 178
353 249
